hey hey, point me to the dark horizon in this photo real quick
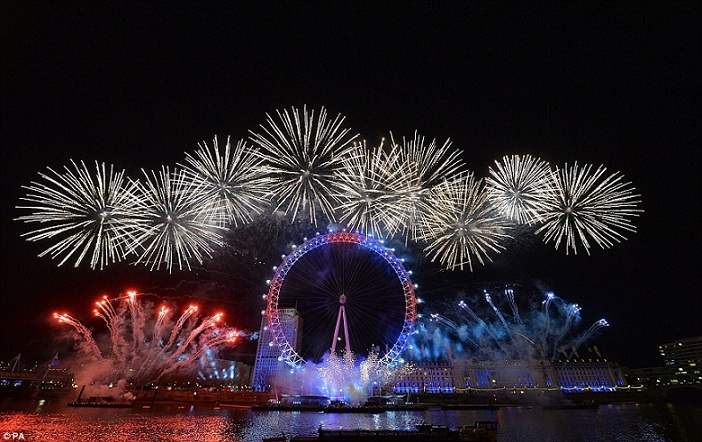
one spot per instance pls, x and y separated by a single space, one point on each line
139 86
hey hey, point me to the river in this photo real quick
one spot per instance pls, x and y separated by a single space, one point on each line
631 422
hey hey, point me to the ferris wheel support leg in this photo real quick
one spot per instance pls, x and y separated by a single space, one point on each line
346 330
336 331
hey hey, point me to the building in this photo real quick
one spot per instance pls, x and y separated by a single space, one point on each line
458 375
515 373
682 358
588 374
15 376
267 365
427 377
650 376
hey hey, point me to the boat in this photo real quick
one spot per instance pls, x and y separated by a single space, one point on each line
588 406
321 408
470 407
100 404
480 431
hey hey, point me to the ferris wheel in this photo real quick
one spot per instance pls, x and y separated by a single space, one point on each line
347 281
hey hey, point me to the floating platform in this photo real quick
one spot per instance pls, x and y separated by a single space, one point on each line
372 409
480 431
100 404
571 407
470 407
319 408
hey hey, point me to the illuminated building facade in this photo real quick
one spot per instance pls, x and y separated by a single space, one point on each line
267 364
459 375
682 358
588 374
503 373
427 377
650 376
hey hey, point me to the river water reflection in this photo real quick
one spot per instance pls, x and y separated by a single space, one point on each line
646 422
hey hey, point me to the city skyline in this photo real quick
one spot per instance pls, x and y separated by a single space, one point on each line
555 110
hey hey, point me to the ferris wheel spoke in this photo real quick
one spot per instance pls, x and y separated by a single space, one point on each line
374 337
307 282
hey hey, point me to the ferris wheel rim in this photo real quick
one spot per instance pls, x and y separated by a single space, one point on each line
368 242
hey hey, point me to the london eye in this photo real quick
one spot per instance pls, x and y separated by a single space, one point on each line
353 294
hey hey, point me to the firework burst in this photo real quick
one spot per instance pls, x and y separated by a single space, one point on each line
588 205
175 221
233 181
137 350
519 188
86 213
462 226
303 151
432 165
376 188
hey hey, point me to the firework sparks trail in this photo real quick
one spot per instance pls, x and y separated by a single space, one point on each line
504 337
190 311
464 306
137 316
85 334
497 311
452 325
547 302
175 221
197 331
157 357
572 316
588 334
86 213
303 152
147 360
219 338
587 205
441 319
105 310
481 323
463 225
509 293
233 180
158 326
432 164
519 188
376 187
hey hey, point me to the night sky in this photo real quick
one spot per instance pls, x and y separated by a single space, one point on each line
138 86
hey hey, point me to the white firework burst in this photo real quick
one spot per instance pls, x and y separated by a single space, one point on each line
462 225
86 213
376 186
519 187
302 151
175 221
589 205
433 164
233 180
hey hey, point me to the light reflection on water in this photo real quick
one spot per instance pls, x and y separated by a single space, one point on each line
608 423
